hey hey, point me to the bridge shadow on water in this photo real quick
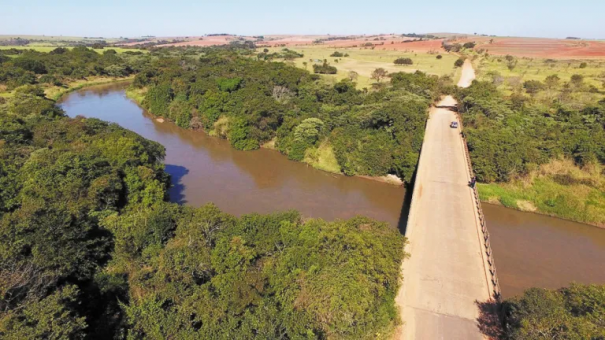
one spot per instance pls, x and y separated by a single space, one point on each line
404 213
177 190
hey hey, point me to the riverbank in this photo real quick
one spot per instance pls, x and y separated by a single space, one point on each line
321 157
56 92
558 189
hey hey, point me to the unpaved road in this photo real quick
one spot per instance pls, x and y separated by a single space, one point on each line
468 74
446 272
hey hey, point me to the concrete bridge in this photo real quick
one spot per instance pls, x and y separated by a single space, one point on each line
450 267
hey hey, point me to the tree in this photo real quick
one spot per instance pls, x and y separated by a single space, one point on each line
576 312
459 62
577 79
552 81
352 75
378 74
403 61
469 45
533 86
439 56
583 65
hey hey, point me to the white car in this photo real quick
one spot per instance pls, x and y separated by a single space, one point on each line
454 125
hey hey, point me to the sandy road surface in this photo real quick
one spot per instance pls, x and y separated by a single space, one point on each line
468 74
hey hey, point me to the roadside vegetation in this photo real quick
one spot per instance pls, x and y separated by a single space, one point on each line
333 127
575 312
539 146
92 249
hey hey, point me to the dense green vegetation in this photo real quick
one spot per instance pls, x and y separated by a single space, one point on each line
577 312
522 140
251 102
62 65
92 249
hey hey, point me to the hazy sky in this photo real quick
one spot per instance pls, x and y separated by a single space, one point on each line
112 18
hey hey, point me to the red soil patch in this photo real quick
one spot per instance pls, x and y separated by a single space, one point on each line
521 47
541 48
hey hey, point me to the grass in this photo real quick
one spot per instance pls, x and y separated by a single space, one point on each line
136 94
539 69
47 49
322 158
557 189
364 61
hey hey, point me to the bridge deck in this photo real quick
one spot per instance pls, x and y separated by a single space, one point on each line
446 272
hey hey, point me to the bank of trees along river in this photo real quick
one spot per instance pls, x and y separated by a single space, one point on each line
92 248
336 127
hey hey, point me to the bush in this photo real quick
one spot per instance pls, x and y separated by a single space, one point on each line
583 65
533 86
439 56
459 62
403 61
576 312
337 54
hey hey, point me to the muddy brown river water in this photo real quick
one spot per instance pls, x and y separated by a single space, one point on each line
530 250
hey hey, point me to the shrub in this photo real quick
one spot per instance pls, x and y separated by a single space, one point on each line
583 65
337 54
439 56
403 61
533 86
459 62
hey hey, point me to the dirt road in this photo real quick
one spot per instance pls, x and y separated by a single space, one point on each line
468 74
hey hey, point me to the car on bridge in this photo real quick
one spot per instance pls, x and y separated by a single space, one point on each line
454 125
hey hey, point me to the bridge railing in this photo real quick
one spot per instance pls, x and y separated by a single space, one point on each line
486 239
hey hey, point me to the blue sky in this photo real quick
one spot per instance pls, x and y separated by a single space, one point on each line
111 18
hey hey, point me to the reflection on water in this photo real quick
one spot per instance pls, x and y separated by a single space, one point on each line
530 250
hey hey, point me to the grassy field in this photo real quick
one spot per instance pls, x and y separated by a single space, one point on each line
47 49
539 69
557 189
364 61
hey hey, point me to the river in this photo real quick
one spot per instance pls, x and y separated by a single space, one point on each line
530 250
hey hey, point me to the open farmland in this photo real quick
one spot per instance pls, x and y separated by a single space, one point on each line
541 47
365 61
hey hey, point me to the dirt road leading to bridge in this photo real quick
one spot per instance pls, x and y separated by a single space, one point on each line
468 74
